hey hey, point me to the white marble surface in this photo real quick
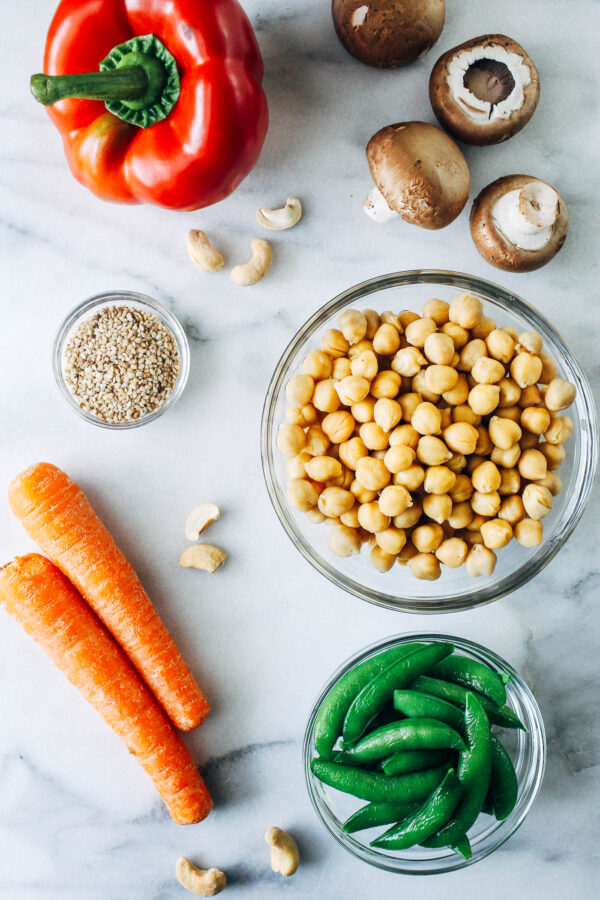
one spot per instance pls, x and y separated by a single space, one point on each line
77 817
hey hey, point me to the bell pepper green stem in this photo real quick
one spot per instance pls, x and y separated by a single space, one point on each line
125 83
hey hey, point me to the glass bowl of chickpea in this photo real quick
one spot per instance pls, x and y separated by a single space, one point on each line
429 441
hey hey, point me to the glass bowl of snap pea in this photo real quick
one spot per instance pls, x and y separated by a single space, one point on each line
516 726
455 589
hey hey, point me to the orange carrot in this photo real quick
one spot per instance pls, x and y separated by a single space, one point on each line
58 516
49 608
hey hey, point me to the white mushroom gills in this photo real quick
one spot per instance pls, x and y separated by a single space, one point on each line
526 217
483 111
377 208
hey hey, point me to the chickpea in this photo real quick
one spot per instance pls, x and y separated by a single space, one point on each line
464 413
486 478
438 480
509 412
484 327
334 501
530 341
485 504
439 348
361 493
555 454
372 473
470 353
462 515
535 419
417 332
391 540
386 340
309 414
409 403
291 439
537 501
440 378
504 432
411 478
427 538
391 318
510 392
394 500
457 462
500 345
437 507
317 441
452 552
552 482
343 480
353 325
560 394
532 465
480 561
549 368
510 482
510 330
381 560
350 518
472 463
526 369
352 389
315 516
461 437
432 451
357 350
446 415
372 318
398 458
484 445
484 398
466 310
318 365
295 466
295 416
302 494
351 451
529 441
530 396
385 384
459 335
496 533
372 519
508 459
559 430
338 426
512 509
408 361
373 436
341 368
334 343
405 435
418 385
459 393
529 532
344 541
387 413
462 489
471 538
487 371
425 566
438 310
322 468
427 419
299 389
406 316
364 411
365 365
409 517
325 397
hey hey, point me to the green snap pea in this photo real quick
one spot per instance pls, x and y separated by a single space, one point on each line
504 787
474 770
472 675
374 695
463 847
408 734
413 703
330 718
427 820
413 761
377 787
503 716
374 814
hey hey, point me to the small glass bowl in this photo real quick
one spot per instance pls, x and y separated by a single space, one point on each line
455 589
527 751
85 310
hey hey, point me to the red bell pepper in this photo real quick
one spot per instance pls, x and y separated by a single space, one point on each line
182 79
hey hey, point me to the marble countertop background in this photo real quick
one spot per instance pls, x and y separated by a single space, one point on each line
78 819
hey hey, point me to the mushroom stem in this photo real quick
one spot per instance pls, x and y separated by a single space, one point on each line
377 208
513 218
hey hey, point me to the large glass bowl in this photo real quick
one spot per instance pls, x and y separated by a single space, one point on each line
90 307
455 590
527 751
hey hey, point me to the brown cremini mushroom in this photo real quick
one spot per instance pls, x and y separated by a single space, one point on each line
484 90
518 223
419 173
388 33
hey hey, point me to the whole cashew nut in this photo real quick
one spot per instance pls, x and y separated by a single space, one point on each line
251 272
203 882
280 219
284 851
203 556
199 519
202 252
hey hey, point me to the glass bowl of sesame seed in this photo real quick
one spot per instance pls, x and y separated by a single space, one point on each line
120 359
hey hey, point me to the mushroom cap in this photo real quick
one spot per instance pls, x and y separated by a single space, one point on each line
456 119
420 172
388 33
492 243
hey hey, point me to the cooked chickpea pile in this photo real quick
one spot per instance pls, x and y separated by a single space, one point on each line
433 438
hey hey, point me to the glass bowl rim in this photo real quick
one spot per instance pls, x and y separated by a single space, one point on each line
537 765
133 298
586 465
